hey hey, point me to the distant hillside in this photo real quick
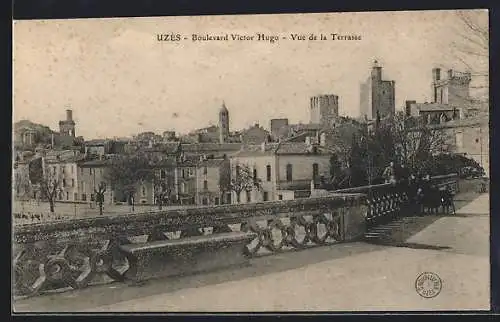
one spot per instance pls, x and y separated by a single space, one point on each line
40 128
43 133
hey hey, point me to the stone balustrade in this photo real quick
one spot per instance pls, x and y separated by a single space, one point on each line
75 252
78 252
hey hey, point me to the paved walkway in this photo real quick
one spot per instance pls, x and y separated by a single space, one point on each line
355 277
479 206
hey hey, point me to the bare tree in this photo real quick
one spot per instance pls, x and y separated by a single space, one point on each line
21 182
50 184
471 48
415 141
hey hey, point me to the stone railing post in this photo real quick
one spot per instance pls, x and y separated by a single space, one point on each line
353 221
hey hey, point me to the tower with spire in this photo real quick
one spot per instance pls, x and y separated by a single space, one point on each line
223 123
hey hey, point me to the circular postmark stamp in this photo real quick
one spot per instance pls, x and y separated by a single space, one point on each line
428 285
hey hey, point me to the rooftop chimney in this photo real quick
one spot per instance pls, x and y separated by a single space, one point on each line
69 115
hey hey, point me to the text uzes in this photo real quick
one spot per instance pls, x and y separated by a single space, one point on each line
168 37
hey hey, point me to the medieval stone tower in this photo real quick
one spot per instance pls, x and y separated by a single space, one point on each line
67 127
223 124
454 89
324 109
377 96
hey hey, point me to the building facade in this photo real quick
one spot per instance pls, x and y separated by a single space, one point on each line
377 96
281 169
211 176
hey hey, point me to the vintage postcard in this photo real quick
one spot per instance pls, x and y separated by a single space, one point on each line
252 163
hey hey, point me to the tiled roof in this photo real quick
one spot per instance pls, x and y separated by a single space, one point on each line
275 148
96 142
482 119
294 148
211 163
434 107
169 147
210 147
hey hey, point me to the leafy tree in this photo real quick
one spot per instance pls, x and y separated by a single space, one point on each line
335 165
125 172
242 179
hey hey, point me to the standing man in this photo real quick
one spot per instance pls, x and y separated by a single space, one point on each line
389 173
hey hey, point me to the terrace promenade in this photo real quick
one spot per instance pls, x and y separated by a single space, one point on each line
350 276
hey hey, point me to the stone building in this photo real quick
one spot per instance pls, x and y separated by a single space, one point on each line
377 96
255 135
283 169
453 90
279 128
324 109
450 99
471 137
90 174
211 174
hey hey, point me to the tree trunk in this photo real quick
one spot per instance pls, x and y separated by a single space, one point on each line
51 203
100 208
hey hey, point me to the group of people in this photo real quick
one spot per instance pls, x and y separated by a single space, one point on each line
28 218
423 196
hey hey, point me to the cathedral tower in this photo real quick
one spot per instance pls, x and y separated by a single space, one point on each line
223 124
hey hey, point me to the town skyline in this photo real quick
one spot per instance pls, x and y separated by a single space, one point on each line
145 88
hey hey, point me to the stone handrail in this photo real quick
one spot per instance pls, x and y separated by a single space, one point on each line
71 253
74 252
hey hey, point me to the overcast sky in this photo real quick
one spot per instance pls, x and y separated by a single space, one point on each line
119 80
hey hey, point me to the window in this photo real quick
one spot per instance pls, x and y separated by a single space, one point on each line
266 196
143 191
90 170
205 201
217 201
280 197
163 174
289 170
67 195
477 140
205 184
249 197
84 197
92 197
237 170
64 182
205 170
238 197
254 175
75 197
268 175
72 181
315 171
